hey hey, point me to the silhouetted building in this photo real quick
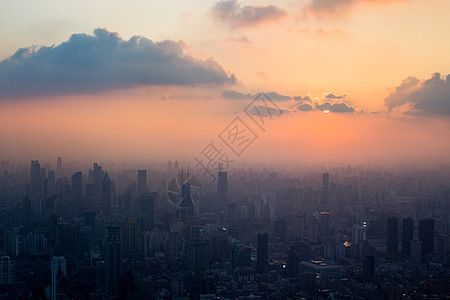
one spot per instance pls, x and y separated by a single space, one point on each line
106 195
426 235
147 209
368 268
222 190
407 235
35 178
113 258
416 251
292 263
77 190
279 230
27 210
325 189
142 181
262 252
6 271
392 235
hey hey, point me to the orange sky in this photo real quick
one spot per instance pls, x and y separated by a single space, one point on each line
360 53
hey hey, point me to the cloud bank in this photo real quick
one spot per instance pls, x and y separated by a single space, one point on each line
230 94
104 61
430 96
232 13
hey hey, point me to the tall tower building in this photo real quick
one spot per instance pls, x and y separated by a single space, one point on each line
426 235
113 258
58 272
279 229
142 181
147 209
6 271
59 167
407 235
35 178
392 235
27 210
106 195
222 190
325 190
262 252
77 190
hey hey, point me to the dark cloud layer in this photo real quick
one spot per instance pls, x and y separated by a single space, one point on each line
305 107
431 96
230 94
339 107
103 61
229 11
333 96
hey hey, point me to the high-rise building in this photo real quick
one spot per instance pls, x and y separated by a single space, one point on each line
426 235
407 235
368 268
392 235
35 178
222 190
292 263
279 229
416 252
142 181
59 166
325 189
6 271
147 209
313 230
113 258
186 208
27 210
325 225
106 195
77 190
262 252
58 273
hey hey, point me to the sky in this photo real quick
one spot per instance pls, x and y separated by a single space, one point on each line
349 81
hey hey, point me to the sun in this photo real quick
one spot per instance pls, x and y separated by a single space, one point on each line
326 111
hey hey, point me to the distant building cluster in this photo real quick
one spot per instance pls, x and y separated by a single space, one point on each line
161 232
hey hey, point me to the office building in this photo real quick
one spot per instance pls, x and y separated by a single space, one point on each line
142 181
262 253
113 258
222 190
426 235
407 235
392 235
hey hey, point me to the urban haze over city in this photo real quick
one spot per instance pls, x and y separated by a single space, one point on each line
229 149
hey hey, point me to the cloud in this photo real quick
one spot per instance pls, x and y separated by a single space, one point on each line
231 12
430 96
230 94
300 98
305 107
338 107
104 61
333 8
333 96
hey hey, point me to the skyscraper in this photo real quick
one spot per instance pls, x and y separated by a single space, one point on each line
35 178
77 189
59 166
106 195
222 190
142 181
392 235
279 229
27 210
147 209
325 189
426 235
407 235
113 258
262 252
